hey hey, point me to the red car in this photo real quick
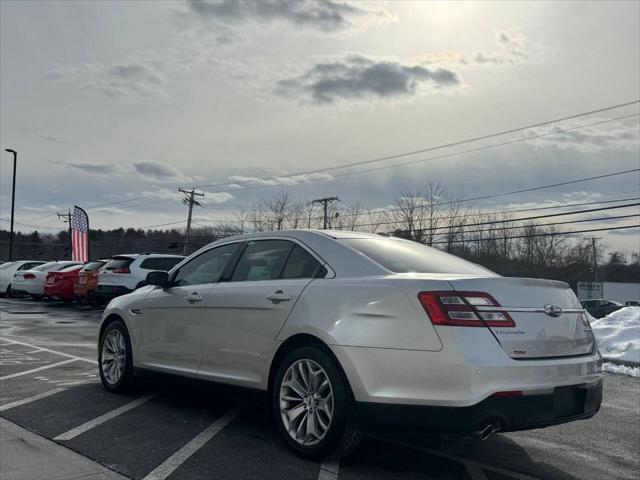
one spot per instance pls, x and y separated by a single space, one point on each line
60 284
86 282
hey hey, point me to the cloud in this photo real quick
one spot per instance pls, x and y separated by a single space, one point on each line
44 133
113 211
609 136
355 76
512 47
217 197
96 168
160 172
277 180
135 77
324 16
45 208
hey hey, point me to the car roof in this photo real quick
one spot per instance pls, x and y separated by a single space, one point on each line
147 255
301 234
339 257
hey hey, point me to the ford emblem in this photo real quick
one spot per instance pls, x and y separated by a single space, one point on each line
553 310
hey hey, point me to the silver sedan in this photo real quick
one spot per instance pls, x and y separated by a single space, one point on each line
349 330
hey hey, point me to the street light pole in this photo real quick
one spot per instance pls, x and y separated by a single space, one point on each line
13 200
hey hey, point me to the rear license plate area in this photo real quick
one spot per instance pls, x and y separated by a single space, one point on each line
568 401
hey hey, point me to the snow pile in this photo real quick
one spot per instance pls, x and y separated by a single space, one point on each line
622 369
618 337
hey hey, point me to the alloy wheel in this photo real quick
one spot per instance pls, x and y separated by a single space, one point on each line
306 402
114 356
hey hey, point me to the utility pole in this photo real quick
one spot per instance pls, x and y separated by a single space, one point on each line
13 199
189 199
325 203
67 219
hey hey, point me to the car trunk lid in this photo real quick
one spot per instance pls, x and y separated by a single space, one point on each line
549 320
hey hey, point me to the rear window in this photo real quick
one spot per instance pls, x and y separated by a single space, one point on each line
160 263
405 256
118 262
72 268
44 266
92 267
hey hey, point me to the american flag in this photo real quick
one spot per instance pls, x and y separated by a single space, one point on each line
80 235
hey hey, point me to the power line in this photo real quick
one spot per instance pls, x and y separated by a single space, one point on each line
568 222
486 147
539 235
536 217
446 145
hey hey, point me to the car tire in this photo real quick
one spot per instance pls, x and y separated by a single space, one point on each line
116 373
331 407
14 293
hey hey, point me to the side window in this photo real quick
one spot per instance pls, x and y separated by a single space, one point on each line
262 260
301 264
207 267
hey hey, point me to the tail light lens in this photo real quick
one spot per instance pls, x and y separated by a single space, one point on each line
121 270
461 309
29 276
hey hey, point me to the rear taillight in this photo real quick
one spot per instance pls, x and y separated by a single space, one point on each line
29 276
121 270
509 394
464 309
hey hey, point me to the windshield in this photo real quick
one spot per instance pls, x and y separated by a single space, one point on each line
404 256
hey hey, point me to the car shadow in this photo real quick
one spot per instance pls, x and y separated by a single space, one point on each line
383 455
499 451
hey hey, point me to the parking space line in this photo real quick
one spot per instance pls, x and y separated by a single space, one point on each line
329 470
24 401
74 432
474 470
82 359
167 467
34 370
437 453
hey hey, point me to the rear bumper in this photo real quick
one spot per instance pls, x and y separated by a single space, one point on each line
564 404
63 293
461 374
30 288
108 292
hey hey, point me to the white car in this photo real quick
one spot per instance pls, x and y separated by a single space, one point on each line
31 282
8 270
124 273
348 329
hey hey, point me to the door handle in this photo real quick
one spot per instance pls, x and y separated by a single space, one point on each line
278 297
194 297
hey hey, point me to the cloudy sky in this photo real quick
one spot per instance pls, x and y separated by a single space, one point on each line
121 103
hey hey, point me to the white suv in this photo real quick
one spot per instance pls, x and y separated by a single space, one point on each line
124 273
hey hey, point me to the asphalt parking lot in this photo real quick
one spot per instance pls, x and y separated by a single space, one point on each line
173 428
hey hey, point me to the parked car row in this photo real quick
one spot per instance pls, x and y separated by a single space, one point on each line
92 283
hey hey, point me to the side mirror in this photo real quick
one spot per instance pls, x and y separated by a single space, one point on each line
158 278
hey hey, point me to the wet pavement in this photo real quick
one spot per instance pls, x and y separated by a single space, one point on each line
176 428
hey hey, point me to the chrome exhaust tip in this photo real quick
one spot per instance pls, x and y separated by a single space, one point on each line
488 430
